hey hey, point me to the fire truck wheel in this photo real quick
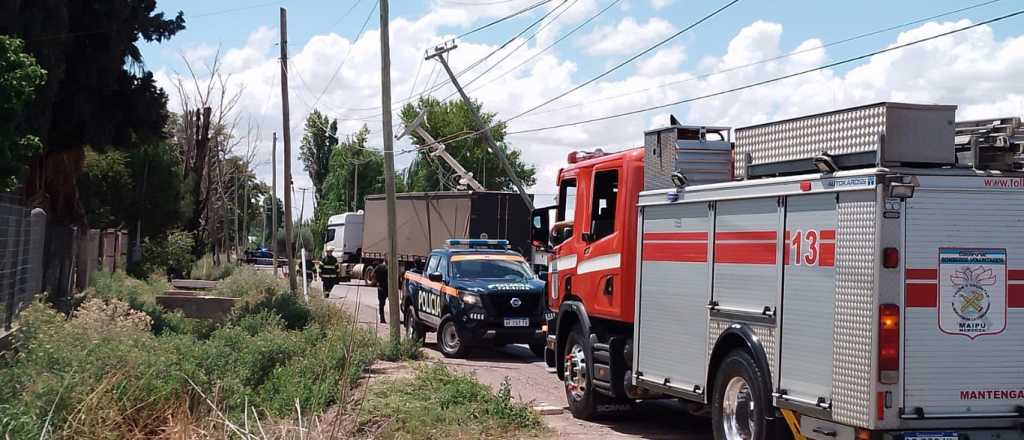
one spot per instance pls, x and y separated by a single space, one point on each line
738 410
450 341
413 328
538 349
579 388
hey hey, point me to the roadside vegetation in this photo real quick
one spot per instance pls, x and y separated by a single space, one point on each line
437 402
121 367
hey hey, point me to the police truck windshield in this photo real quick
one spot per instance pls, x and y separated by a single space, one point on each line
515 270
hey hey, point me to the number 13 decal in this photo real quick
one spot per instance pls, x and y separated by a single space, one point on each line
811 247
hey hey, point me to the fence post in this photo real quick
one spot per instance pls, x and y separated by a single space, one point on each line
37 243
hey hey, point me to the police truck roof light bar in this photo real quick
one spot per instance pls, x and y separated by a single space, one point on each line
477 243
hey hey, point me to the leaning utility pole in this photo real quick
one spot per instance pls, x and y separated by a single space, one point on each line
389 169
289 252
439 52
273 205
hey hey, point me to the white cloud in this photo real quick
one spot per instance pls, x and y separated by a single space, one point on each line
972 69
659 4
626 37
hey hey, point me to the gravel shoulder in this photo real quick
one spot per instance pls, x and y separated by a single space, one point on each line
532 383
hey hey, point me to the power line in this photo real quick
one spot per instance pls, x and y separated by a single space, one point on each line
628 60
767 60
771 80
486 3
347 53
345 15
559 40
505 18
521 44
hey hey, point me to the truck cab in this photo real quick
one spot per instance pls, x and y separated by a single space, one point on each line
345 233
475 292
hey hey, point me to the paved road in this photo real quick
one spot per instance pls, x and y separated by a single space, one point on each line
532 383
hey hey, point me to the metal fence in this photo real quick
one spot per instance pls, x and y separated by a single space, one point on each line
22 232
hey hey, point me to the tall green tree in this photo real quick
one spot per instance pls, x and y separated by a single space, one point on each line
317 143
449 121
97 90
355 172
20 76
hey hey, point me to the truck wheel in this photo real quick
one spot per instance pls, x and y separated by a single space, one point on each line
413 328
450 341
738 411
538 349
579 388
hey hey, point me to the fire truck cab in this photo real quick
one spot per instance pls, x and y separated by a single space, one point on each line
857 274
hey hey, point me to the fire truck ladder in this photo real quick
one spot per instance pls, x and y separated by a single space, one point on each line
996 143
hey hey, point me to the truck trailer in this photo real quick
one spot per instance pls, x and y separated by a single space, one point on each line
424 221
856 274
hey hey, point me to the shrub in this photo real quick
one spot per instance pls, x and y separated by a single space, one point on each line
246 282
161 255
205 269
141 296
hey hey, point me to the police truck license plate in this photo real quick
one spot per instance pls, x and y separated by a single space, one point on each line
517 322
931 436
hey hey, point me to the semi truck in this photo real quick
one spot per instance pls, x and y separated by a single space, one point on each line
856 274
425 221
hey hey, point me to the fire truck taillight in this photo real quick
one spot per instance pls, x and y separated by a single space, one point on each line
890 258
888 343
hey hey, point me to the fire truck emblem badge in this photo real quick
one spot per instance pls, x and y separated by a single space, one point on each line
516 302
972 291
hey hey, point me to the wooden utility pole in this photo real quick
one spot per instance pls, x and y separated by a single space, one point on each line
439 52
287 131
389 169
273 204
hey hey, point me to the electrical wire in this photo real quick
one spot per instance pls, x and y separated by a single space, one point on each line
502 19
520 46
628 60
347 53
767 60
754 84
559 40
772 80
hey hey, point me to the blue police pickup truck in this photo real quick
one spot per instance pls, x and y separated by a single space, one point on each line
475 292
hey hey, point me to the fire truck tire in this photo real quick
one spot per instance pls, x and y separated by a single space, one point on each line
738 410
538 349
413 327
450 340
583 400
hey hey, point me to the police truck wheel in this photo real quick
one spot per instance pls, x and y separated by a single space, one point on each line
579 388
413 328
538 349
738 411
450 341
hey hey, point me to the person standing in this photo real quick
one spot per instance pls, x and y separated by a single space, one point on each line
380 275
329 271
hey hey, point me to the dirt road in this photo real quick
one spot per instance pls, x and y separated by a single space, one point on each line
532 383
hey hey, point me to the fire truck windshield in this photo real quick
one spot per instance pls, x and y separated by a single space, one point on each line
515 270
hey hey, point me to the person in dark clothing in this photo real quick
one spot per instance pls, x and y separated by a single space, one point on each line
380 275
329 271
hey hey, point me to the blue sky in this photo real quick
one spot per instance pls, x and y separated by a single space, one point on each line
979 70
229 22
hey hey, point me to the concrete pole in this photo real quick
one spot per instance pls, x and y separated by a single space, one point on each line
389 169
273 204
287 131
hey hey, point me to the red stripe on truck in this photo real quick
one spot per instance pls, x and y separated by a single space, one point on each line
922 274
745 253
745 235
1015 296
675 236
1015 274
922 295
676 252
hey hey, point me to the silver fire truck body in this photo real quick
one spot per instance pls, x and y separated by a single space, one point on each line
883 301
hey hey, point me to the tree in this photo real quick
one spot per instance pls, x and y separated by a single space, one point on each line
448 122
97 91
355 172
320 138
20 76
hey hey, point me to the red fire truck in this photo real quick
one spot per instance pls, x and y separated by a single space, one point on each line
857 274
